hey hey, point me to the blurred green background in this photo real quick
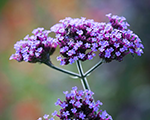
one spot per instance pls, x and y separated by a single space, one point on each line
28 91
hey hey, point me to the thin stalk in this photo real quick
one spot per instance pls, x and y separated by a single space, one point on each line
62 70
93 68
83 78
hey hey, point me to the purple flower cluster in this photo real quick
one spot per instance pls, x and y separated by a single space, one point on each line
35 48
79 105
116 40
79 39
75 37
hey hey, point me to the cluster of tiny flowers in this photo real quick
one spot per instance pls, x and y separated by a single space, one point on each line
79 105
75 37
116 40
35 48
79 39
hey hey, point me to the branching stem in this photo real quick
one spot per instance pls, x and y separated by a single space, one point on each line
93 68
62 70
83 78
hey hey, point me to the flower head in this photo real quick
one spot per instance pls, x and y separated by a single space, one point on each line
75 37
35 48
79 105
117 40
79 39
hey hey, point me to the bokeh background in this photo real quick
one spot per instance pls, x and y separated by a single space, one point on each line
28 91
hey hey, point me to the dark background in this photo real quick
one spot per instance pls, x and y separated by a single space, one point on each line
28 91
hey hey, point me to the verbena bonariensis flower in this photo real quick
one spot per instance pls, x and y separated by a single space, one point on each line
79 39
35 48
75 37
116 40
79 105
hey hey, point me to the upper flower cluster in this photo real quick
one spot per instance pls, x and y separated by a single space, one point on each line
116 40
79 105
35 48
79 39
75 37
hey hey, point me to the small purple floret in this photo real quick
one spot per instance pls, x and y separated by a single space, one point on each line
82 116
45 116
54 113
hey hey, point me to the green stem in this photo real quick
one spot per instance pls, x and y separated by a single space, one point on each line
83 78
93 68
62 70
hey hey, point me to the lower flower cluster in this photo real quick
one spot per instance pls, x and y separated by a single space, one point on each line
79 105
